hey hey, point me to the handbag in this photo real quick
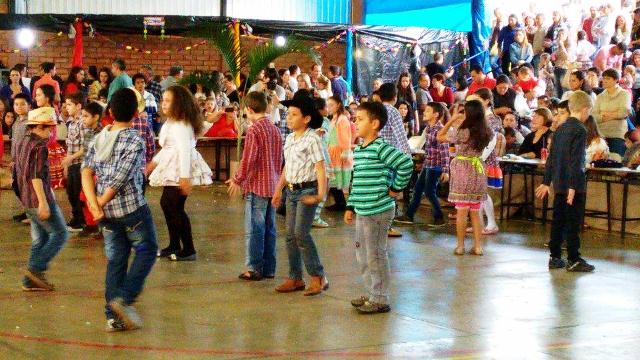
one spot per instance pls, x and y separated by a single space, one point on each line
606 163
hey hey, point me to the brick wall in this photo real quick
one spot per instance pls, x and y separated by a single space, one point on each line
4 6
100 52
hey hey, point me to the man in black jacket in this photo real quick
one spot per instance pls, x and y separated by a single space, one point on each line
565 168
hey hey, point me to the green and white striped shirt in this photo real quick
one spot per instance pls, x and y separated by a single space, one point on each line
378 168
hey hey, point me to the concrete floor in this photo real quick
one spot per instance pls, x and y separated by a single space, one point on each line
505 305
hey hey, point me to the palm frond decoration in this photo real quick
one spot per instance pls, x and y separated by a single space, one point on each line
209 80
260 56
222 38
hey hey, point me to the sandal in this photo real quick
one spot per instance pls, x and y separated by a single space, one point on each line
469 230
250 276
459 251
476 252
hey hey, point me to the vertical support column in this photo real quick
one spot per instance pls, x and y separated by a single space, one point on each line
348 64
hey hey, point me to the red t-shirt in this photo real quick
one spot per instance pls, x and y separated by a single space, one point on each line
446 97
222 128
488 83
70 89
526 86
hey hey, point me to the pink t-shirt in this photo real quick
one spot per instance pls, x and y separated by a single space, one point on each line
605 60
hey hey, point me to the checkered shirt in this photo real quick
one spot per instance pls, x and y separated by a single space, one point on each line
301 156
155 89
393 132
75 139
120 172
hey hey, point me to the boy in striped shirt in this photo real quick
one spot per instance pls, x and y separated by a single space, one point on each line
380 172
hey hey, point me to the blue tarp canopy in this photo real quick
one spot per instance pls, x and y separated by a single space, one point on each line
454 15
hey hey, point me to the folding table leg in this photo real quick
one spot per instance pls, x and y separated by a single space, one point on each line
609 206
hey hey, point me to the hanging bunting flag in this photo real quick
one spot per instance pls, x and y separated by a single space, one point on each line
155 21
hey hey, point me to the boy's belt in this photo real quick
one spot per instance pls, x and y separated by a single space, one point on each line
302 185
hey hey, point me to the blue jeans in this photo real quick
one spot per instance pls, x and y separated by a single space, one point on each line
47 237
559 75
616 145
534 62
372 254
300 244
260 234
427 184
136 231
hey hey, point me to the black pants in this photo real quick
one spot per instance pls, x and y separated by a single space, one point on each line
172 203
567 220
505 63
74 186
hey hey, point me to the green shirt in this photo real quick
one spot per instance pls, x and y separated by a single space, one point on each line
378 168
121 82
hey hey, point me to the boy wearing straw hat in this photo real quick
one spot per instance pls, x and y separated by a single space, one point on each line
48 229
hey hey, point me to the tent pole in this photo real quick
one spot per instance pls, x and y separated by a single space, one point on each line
349 59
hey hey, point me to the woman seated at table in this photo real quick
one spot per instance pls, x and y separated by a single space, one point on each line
597 148
538 139
631 158
441 92
225 125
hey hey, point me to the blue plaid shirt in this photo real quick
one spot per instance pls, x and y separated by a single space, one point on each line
393 132
120 172
155 89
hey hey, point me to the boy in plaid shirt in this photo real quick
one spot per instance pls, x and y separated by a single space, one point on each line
75 152
115 158
33 181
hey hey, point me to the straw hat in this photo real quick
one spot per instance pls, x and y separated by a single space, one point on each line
141 102
42 116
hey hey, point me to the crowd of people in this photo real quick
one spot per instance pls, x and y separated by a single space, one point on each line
308 138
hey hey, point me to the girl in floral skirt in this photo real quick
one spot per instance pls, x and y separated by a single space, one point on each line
45 96
468 179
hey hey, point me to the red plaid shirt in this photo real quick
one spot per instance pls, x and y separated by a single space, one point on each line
147 135
261 163
436 153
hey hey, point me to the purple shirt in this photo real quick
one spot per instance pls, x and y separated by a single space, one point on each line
32 162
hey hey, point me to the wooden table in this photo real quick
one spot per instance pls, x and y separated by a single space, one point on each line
608 176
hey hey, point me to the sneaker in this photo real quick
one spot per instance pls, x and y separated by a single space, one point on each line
580 265
404 219
182 256
437 223
39 280
394 233
359 301
115 325
373 308
320 224
126 313
89 231
74 228
556 263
